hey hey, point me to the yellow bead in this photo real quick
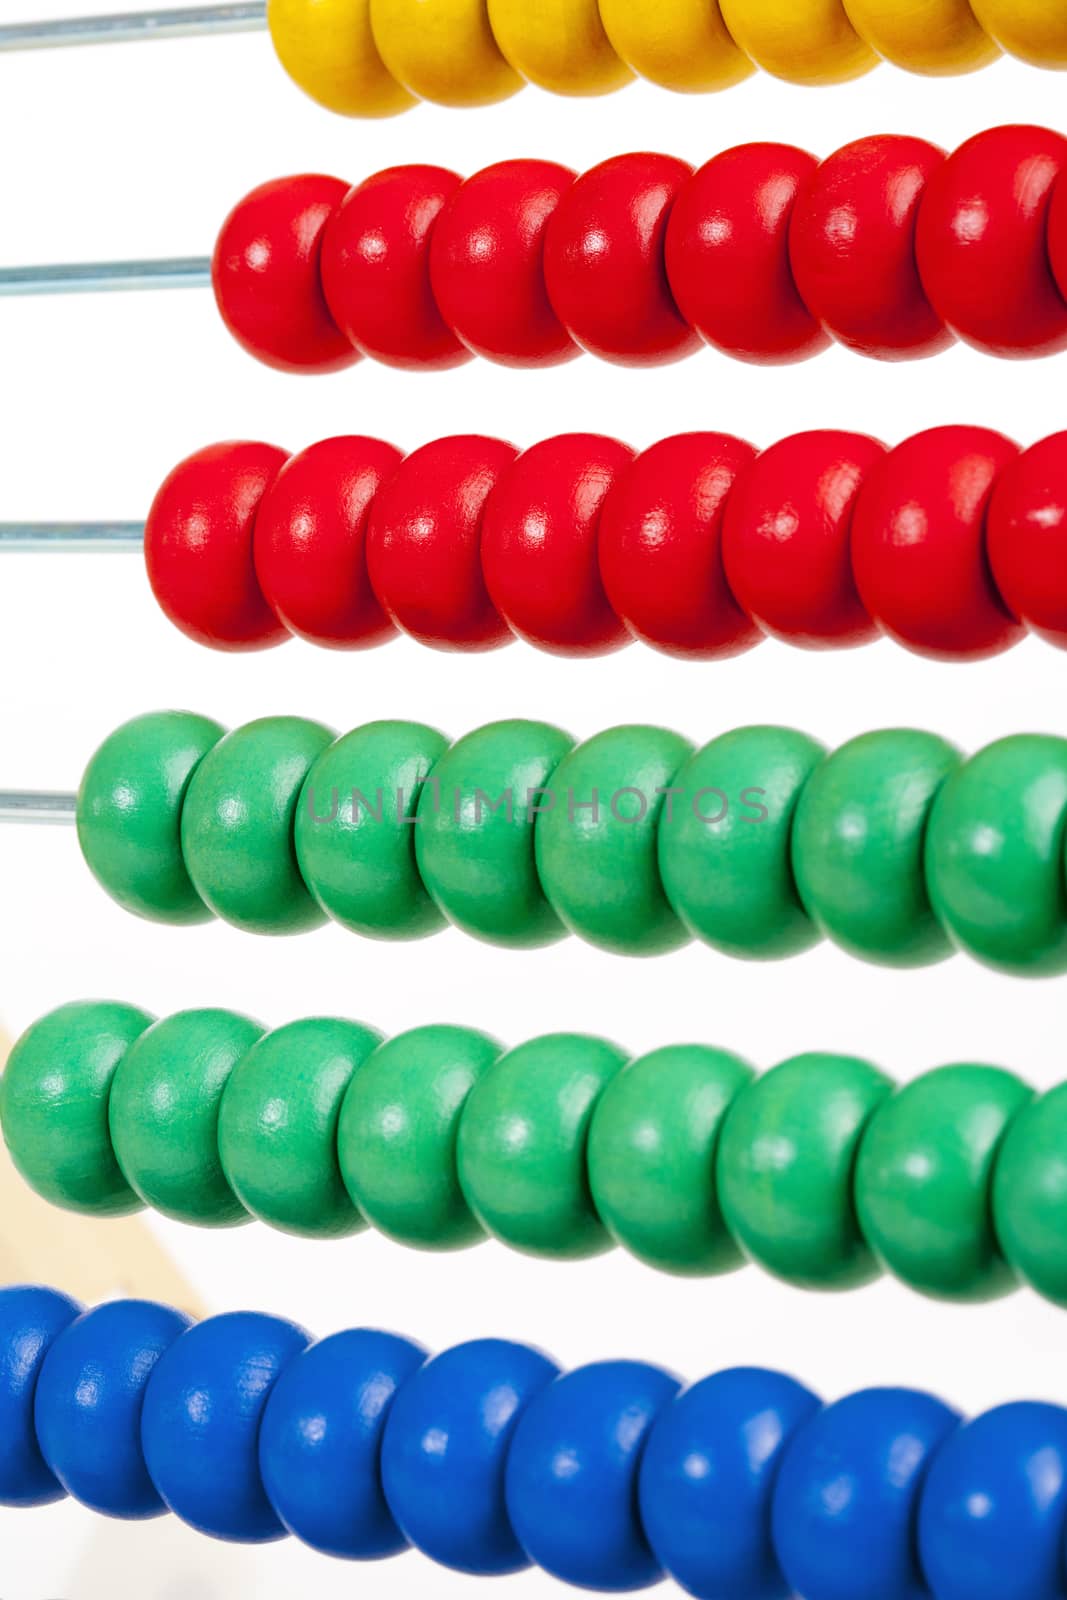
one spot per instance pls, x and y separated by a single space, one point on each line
802 41
559 44
680 44
443 50
1033 30
928 36
328 49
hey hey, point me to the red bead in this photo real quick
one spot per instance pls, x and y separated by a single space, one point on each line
539 544
266 274
198 546
661 547
487 264
1057 234
786 543
310 542
1027 538
983 242
852 245
919 544
604 261
728 254
424 543
376 268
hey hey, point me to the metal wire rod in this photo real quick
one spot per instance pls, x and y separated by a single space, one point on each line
71 538
40 806
183 22
103 277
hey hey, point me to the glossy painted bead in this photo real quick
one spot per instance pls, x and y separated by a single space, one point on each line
813 44
30 1321
786 1156
934 36
443 51
1026 536
523 1140
679 44
560 45
1030 1194
1033 30
1057 236
328 48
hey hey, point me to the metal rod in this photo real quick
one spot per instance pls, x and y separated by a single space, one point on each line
183 22
71 538
104 277
40 806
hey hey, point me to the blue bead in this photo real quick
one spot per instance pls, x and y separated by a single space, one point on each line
707 1482
88 1404
30 1319
994 1508
848 1493
320 1442
572 1475
200 1426
446 1447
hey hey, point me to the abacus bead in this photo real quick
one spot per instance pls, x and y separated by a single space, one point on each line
859 841
267 279
310 543
198 546
573 1470
88 1403
653 1148
852 248
1030 1194
129 814
355 833
1032 30
321 1437
679 44
539 546
993 1506
661 547
935 37
918 536
1057 236
327 47
982 242
786 539
849 1492
398 1132
424 543
707 1480
994 855
523 1141
54 1105
604 261
474 842
487 264
596 847
446 1444
560 45
813 44
443 51
163 1114
724 843
278 1126
727 255
201 1419
30 1320
1026 534
376 268
786 1157
237 825
924 1181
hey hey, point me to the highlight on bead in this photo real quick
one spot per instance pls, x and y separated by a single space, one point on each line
700 546
821 1171
759 844
642 261
489 1459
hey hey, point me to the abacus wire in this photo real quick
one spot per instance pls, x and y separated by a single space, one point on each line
71 538
182 22
107 277
38 806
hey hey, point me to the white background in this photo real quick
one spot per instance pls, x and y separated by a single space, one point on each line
140 151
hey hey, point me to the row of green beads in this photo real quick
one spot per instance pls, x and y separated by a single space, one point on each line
819 1170
759 845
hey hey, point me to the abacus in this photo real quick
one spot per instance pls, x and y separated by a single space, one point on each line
699 547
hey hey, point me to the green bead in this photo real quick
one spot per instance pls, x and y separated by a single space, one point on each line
786 1159
522 1145
1030 1194
596 848
994 855
164 1114
130 810
54 1105
398 1134
731 880
653 1148
924 1181
355 830
238 821
858 846
475 839
278 1126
